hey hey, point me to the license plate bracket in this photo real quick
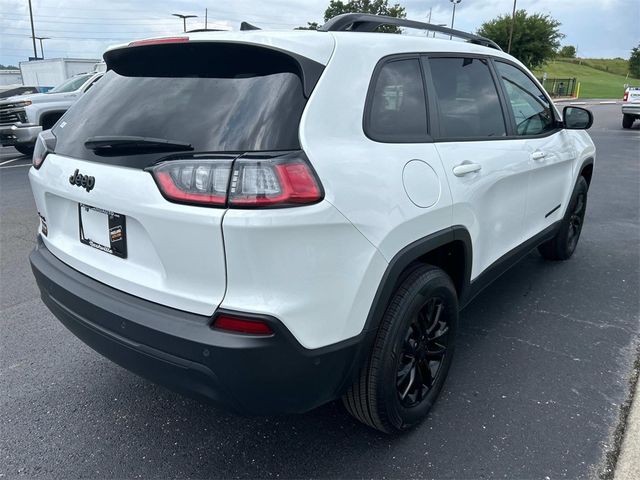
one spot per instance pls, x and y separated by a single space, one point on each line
103 230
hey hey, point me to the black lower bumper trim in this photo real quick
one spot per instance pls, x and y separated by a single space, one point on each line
242 373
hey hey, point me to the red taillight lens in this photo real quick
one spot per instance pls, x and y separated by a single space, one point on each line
282 181
242 325
44 145
625 97
202 182
256 181
156 41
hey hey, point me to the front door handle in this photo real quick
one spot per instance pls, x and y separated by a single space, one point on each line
466 168
538 155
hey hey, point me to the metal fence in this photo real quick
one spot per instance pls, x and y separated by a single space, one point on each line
559 87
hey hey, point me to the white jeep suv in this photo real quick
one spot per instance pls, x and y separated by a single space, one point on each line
273 220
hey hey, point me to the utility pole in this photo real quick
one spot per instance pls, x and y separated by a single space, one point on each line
513 21
183 17
453 15
33 32
206 14
42 49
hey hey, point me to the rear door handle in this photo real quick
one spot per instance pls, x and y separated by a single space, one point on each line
466 168
538 155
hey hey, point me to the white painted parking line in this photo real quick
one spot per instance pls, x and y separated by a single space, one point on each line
9 161
15 166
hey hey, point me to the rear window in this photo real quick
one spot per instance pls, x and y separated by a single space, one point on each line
217 97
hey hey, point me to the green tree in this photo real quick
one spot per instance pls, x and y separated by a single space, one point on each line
536 37
310 26
634 62
376 7
568 51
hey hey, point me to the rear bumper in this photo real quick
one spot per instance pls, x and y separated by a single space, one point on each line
19 134
242 373
631 109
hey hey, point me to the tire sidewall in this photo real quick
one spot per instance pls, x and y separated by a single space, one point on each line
427 284
581 187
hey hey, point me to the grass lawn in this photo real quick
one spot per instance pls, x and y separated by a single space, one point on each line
593 83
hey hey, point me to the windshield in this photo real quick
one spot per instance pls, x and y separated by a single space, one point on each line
70 85
238 104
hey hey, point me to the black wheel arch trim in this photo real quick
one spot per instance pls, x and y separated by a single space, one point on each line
585 164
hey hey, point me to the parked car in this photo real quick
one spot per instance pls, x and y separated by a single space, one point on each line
630 106
224 214
23 117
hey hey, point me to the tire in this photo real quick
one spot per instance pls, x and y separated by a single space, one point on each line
627 120
411 355
25 149
562 246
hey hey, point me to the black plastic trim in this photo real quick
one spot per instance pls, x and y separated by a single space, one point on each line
243 373
553 210
504 263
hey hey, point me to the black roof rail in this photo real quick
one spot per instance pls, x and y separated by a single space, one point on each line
366 22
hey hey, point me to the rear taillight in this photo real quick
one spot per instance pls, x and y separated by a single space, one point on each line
247 182
200 182
280 181
241 325
45 144
625 97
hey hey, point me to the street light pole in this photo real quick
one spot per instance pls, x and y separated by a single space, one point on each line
453 15
42 49
513 21
184 19
33 32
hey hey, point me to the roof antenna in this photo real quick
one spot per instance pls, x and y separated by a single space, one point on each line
248 26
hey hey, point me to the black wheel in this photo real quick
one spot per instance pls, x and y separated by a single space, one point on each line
411 355
25 149
562 246
627 121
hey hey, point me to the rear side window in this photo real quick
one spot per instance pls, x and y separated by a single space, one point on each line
217 97
468 102
532 110
397 110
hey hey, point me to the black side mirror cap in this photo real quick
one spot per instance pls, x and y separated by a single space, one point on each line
577 118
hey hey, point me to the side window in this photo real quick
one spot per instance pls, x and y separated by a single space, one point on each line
531 109
397 111
468 102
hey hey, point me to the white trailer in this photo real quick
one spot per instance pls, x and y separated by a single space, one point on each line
53 71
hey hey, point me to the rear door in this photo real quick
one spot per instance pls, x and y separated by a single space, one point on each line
487 172
550 149
101 210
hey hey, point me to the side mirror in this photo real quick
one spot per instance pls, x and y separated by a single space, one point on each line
577 118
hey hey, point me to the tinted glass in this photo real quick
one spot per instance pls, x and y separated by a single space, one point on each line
182 99
468 101
531 109
398 111
70 85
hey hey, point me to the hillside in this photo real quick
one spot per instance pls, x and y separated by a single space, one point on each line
593 83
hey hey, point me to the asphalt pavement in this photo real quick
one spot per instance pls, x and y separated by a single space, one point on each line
542 369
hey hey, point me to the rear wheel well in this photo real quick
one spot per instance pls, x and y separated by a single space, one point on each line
450 257
587 173
48 120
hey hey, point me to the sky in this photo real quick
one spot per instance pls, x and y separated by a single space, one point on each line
85 28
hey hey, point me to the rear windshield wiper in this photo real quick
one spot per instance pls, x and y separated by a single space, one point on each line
130 145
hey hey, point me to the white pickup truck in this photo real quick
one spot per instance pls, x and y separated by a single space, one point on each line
23 117
630 106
